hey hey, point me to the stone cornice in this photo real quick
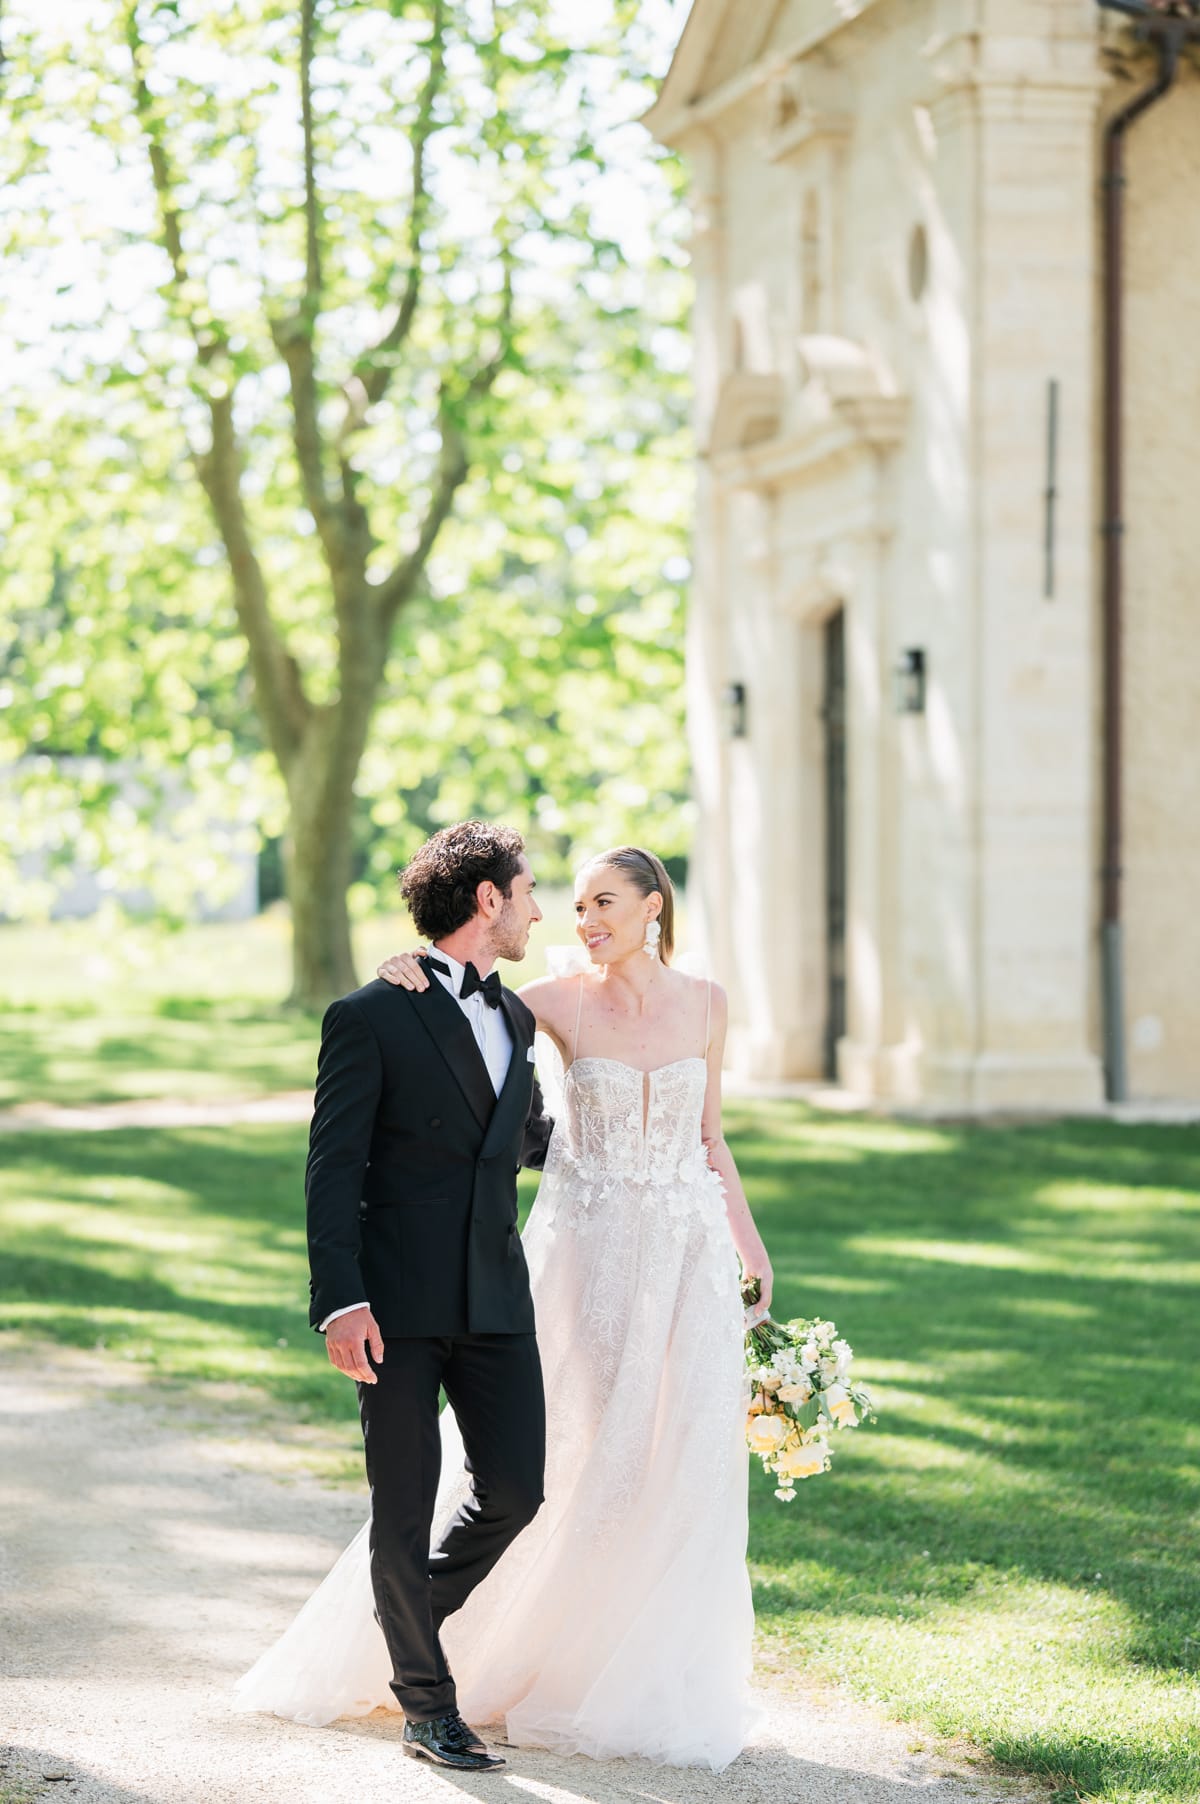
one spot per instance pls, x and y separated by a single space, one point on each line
1014 77
680 109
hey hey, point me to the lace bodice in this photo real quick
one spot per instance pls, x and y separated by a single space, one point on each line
627 1143
620 1126
620 1122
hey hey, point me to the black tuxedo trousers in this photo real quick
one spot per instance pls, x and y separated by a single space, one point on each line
412 1207
493 1383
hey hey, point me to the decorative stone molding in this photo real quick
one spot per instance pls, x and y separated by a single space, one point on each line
749 409
844 369
846 405
1014 77
807 103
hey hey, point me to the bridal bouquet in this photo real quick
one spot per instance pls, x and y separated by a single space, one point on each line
801 1391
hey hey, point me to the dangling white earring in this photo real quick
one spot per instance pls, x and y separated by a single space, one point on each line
653 935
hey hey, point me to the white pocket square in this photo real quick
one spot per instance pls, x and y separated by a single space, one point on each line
529 1056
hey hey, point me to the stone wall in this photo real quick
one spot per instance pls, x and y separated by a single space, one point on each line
917 191
1162 593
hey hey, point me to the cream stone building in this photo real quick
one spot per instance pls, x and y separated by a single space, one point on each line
897 659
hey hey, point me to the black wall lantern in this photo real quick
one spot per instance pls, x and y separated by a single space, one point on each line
734 698
909 679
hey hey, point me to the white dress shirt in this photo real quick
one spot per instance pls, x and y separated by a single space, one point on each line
487 1024
492 1037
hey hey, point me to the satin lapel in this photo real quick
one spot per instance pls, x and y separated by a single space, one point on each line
517 1088
450 1031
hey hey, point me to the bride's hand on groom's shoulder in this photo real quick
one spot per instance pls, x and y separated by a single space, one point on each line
405 970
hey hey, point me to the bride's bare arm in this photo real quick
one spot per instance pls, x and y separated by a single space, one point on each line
547 997
746 1237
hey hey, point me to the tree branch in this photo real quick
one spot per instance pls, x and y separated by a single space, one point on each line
293 341
375 368
399 586
160 171
283 704
481 382
312 207
294 334
278 685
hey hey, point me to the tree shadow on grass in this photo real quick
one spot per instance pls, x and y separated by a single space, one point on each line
198 1048
185 1249
1023 1369
1027 1301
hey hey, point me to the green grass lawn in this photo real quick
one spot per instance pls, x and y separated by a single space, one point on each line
93 1012
1010 1554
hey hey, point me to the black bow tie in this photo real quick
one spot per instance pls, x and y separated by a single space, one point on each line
488 987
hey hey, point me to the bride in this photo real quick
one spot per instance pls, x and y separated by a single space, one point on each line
619 1622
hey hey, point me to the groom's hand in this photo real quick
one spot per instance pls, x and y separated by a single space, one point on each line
347 1339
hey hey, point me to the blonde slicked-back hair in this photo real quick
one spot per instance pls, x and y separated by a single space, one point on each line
648 874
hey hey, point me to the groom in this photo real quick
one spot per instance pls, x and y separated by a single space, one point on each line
426 1106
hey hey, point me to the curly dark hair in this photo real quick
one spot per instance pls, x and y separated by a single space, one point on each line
439 883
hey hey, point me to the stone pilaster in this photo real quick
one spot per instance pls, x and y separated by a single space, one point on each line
1015 120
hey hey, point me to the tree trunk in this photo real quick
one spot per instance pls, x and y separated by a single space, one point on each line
318 875
317 868
317 865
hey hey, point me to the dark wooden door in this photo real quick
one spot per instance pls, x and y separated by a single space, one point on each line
834 714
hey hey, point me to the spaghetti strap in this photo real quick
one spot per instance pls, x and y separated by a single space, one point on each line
578 1019
707 1019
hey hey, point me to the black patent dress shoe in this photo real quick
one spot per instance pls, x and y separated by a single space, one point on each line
447 1741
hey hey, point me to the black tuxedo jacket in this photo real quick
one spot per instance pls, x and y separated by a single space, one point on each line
412 1166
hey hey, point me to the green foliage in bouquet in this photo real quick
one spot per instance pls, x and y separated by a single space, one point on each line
801 1391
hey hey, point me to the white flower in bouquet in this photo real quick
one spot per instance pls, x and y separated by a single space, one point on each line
840 1405
801 1392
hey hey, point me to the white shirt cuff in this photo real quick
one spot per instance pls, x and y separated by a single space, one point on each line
348 1310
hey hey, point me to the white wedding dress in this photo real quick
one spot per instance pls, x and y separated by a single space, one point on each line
619 1622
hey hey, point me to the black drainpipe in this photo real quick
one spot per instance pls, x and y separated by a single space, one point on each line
1169 31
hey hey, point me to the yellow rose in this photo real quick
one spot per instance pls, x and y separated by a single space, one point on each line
803 1462
840 1405
766 1434
795 1393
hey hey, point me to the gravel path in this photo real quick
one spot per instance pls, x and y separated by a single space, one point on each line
144 1563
